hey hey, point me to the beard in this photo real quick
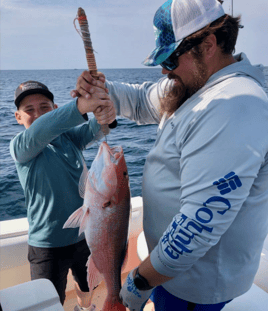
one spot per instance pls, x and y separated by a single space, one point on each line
179 93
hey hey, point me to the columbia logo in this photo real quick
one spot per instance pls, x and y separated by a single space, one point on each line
230 182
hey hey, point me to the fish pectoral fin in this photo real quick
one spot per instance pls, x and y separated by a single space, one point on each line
75 219
84 222
94 277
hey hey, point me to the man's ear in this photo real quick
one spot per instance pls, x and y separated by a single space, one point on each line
210 45
55 106
18 117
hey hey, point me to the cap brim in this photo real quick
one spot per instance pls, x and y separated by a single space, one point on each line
160 54
47 93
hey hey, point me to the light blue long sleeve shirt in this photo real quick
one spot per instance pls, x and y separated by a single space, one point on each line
205 182
49 162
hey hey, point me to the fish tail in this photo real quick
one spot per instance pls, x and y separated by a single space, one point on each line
113 306
94 277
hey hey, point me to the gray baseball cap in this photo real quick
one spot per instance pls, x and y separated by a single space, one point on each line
29 88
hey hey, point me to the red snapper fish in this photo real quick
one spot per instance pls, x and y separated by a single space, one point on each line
104 218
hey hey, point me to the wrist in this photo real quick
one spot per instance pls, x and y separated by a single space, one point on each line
80 103
140 281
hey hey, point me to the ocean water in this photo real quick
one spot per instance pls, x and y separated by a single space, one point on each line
135 140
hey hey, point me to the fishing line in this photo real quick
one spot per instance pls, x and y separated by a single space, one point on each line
85 36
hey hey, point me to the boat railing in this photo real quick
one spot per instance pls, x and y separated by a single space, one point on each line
14 266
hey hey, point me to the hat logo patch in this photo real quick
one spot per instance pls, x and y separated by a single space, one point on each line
31 86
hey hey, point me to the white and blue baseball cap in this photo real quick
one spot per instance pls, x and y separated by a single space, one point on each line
177 19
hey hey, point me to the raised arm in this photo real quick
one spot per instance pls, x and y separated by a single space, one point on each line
137 102
28 144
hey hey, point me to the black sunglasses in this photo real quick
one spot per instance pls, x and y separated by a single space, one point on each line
172 62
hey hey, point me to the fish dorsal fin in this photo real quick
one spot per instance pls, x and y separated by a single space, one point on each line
83 180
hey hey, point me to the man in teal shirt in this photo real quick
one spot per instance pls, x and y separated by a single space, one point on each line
49 160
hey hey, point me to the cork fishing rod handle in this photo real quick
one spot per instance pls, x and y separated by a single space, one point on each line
91 62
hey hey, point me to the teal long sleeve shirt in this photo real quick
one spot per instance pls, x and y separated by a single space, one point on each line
49 161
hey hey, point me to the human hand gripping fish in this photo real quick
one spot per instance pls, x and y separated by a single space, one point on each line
104 218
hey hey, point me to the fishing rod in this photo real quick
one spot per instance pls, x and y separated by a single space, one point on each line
91 62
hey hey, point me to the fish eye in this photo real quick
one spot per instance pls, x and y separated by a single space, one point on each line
125 173
106 204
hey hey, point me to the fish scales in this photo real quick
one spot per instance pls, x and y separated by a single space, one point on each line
104 218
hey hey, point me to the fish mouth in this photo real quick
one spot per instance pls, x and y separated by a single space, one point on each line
115 152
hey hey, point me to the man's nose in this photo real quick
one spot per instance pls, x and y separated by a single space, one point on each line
37 113
165 71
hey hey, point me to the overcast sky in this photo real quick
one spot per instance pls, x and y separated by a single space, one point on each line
39 34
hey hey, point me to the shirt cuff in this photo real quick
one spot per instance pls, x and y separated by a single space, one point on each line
159 265
94 125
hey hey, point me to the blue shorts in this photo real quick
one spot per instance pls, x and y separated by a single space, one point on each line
164 301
